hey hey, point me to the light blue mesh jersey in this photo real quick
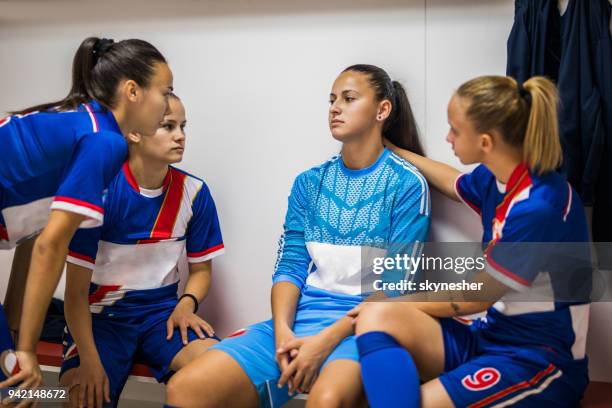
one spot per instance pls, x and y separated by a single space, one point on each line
336 214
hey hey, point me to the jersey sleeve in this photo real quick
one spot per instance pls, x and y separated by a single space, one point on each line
95 161
471 187
410 221
516 258
83 248
204 241
293 260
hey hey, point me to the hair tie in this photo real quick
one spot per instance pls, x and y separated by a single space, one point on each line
100 47
523 93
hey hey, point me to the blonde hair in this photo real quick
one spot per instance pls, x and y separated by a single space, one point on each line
524 118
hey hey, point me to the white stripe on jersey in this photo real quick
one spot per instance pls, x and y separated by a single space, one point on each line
206 257
191 188
142 266
424 209
94 218
94 122
25 220
339 267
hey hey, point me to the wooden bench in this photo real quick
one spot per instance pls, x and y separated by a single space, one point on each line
50 359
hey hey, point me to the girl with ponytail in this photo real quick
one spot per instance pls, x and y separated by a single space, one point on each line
524 353
58 159
365 199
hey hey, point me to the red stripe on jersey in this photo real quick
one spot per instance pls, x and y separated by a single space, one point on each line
129 176
82 257
3 233
166 218
79 203
101 292
505 271
524 384
5 121
167 179
519 181
148 241
205 252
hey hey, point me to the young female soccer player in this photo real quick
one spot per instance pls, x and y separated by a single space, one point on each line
61 156
527 353
153 211
367 197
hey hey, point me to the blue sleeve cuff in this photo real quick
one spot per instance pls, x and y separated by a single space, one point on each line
287 278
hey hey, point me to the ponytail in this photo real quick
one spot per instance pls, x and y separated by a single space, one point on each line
542 147
99 65
400 127
525 116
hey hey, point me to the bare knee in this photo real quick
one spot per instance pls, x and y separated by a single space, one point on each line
198 385
184 387
325 397
381 316
176 386
336 394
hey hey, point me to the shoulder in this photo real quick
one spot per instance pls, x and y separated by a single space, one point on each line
552 189
313 175
194 187
412 179
533 220
103 139
481 175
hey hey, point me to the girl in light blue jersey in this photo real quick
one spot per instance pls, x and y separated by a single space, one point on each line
359 202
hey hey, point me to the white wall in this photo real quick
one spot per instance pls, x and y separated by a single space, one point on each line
255 77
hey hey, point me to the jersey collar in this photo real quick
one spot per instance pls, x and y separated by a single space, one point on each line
129 177
362 172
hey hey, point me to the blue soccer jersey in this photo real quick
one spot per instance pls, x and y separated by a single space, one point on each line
516 218
56 160
338 218
145 232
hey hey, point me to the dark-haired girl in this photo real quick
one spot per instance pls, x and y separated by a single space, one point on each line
361 201
59 157
122 278
529 350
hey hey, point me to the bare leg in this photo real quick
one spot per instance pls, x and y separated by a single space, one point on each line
190 352
66 381
13 300
212 380
434 395
339 385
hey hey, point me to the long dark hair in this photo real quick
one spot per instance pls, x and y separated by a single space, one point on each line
99 66
400 127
